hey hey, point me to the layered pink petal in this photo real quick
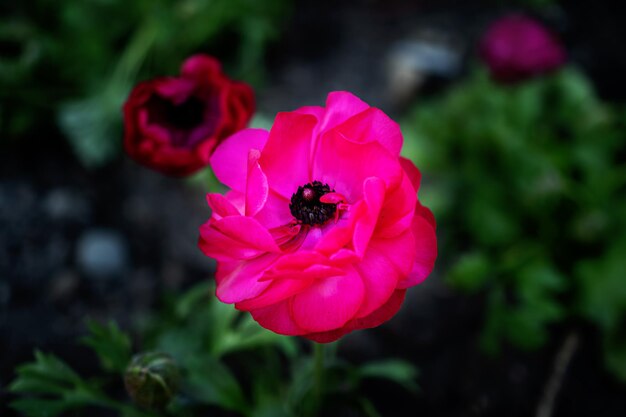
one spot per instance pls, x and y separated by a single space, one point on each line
373 195
396 215
230 159
378 317
256 184
240 280
372 125
399 250
340 106
340 234
277 317
221 206
414 174
426 253
346 174
276 292
316 111
329 303
380 278
425 212
275 212
287 284
235 238
286 157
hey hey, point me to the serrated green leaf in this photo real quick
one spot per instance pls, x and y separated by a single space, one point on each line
47 369
51 377
110 344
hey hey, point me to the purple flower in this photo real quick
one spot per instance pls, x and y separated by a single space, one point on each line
517 47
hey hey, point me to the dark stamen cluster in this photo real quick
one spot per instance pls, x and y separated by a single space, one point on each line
306 205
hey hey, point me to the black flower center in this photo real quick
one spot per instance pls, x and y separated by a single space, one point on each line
184 116
306 205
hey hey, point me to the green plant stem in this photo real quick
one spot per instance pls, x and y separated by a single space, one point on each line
318 374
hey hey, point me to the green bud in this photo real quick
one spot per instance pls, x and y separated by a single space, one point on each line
152 379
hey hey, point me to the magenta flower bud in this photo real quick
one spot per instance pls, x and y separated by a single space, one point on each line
152 379
517 47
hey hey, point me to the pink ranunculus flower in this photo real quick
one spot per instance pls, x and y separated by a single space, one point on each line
517 47
321 232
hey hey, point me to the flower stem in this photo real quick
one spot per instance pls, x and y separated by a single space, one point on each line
318 381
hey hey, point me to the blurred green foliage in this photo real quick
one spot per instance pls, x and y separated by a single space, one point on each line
71 63
225 360
528 184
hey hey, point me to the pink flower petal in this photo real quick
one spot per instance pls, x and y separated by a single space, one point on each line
275 212
346 174
329 303
234 238
414 174
373 195
277 318
316 111
426 214
380 278
337 236
372 125
340 106
286 284
256 184
297 261
396 215
285 159
221 206
239 281
426 250
378 317
230 159
399 250
176 90
200 66
276 292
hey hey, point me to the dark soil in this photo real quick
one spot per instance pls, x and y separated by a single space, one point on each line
146 225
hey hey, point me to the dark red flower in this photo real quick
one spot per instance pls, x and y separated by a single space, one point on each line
517 47
173 124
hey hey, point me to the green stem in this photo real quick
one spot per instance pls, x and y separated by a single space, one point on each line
318 387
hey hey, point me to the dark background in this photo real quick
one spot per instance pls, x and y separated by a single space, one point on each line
106 242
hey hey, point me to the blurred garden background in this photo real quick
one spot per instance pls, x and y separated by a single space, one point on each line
525 313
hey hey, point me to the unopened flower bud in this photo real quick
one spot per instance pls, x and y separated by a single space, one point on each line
152 379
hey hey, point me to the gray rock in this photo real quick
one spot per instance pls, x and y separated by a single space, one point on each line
65 205
102 254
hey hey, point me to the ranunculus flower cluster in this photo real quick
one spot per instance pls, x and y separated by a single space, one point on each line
173 124
321 232
517 47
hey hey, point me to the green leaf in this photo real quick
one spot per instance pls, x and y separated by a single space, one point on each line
368 408
112 346
248 335
50 377
470 273
603 293
46 371
399 371
211 382
92 127
198 295
615 354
